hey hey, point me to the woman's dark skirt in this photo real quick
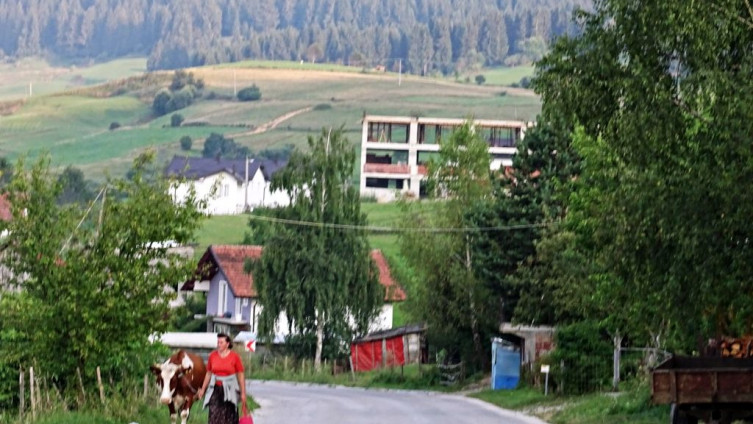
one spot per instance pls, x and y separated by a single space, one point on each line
221 412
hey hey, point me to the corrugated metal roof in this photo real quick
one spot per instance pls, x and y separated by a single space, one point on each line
394 332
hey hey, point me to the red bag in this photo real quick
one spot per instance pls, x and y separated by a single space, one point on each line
245 419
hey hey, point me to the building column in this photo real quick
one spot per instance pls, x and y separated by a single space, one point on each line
415 177
364 140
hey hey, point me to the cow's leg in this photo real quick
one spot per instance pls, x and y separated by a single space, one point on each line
184 415
173 413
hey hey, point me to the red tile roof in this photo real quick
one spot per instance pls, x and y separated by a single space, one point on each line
393 291
230 260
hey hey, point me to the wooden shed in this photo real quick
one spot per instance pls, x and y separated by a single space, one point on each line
390 348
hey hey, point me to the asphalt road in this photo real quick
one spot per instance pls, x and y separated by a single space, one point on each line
318 404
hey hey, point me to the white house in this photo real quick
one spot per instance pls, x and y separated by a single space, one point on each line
232 301
231 186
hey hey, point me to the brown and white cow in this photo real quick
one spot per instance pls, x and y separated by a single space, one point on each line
179 378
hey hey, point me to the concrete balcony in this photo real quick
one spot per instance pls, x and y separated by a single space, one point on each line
384 168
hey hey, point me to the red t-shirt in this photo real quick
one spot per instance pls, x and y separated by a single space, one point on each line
229 365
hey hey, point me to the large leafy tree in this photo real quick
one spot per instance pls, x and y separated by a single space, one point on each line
320 275
449 294
528 201
663 94
92 283
74 187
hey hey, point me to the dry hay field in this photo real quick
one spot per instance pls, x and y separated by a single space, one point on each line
298 100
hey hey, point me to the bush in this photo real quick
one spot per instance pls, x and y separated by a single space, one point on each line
582 360
249 94
480 79
114 125
181 98
186 142
323 106
216 145
161 101
176 119
181 93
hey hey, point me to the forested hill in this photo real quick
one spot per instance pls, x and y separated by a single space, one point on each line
421 36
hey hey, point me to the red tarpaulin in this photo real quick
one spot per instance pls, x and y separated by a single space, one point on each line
369 355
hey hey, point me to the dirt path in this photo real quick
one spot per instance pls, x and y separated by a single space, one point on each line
271 124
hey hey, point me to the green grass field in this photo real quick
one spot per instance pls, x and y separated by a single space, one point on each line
46 78
504 76
72 122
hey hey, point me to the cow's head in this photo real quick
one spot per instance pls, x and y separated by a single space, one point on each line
169 373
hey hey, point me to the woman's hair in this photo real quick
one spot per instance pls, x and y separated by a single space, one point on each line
227 339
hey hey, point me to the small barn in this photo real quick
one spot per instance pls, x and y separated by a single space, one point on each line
390 348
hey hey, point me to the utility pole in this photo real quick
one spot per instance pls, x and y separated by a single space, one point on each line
399 72
245 200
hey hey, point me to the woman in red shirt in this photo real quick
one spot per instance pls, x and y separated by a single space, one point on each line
224 379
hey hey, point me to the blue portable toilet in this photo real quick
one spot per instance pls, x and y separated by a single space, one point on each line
505 364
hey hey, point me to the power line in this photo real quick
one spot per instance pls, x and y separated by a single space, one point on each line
375 229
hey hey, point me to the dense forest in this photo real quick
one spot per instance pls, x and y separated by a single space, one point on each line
418 36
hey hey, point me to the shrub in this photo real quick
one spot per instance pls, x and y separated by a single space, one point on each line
323 106
249 94
176 119
114 125
582 360
161 101
186 142
181 99
480 79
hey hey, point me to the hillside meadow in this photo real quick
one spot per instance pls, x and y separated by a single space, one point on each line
71 118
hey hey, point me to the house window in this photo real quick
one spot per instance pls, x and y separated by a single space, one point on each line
222 298
226 190
237 316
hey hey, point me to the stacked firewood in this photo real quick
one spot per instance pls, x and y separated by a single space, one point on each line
740 347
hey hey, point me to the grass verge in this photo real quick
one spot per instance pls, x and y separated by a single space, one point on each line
631 405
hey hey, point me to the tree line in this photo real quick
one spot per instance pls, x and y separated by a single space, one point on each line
419 37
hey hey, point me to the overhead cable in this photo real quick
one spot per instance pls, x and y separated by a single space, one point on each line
376 229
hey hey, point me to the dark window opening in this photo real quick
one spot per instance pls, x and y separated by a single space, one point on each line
385 132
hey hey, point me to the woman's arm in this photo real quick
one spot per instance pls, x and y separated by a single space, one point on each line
203 389
242 383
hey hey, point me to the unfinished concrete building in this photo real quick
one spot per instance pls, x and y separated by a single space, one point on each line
395 150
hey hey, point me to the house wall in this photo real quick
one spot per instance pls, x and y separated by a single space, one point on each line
230 195
384 320
227 199
259 193
281 328
412 346
248 310
238 308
